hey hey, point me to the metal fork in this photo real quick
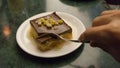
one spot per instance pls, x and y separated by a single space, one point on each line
53 35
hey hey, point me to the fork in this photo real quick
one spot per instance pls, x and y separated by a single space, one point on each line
53 35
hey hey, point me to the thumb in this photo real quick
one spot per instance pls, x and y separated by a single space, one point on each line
93 33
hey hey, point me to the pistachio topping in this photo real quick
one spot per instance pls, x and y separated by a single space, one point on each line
60 21
39 23
48 25
48 22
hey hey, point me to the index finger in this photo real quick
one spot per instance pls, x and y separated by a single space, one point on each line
93 33
109 12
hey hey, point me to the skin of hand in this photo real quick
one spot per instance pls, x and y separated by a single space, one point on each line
105 33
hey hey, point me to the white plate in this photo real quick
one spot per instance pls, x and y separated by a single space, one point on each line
25 43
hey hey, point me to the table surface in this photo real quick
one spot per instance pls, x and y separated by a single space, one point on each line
14 12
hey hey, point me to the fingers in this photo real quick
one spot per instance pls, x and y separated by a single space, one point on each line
101 20
100 45
109 12
94 44
106 17
95 33
100 24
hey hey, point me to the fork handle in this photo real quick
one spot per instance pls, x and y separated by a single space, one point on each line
75 41
78 41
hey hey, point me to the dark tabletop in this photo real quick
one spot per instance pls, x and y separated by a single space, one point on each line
14 12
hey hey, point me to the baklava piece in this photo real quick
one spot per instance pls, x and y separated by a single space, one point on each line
51 23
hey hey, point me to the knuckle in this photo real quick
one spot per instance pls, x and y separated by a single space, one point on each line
95 21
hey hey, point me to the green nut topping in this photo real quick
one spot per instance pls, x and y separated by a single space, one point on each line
48 22
60 21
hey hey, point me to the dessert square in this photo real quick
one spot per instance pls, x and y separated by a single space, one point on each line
51 23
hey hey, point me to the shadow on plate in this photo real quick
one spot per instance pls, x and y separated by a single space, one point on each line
51 62
78 2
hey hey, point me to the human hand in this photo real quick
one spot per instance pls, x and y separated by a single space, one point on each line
105 33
